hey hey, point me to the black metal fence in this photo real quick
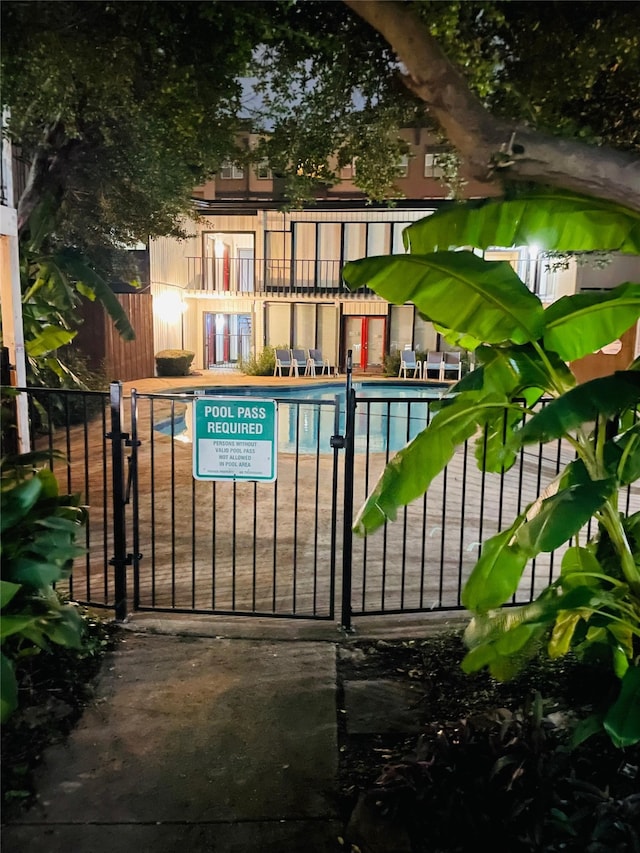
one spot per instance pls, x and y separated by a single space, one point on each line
160 540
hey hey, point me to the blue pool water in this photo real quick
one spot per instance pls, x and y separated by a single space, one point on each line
387 414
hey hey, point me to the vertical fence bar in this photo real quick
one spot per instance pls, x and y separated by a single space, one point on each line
349 466
135 499
119 559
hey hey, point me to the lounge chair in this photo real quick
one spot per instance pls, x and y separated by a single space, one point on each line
408 361
285 361
316 362
452 367
434 363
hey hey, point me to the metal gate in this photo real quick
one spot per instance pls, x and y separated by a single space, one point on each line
159 540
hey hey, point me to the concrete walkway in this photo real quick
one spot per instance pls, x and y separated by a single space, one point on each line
196 744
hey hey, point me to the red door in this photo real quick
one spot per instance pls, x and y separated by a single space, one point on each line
365 337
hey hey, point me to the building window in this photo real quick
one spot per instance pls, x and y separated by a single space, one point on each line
349 171
403 166
230 171
263 172
432 167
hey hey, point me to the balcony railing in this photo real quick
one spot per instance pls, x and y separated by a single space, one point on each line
237 276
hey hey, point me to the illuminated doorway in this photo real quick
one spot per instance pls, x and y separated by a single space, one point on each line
227 339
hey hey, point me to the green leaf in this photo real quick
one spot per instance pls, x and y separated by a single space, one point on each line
50 488
34 573
486 636
552 220
8 689
15 624
583 323
519 371
622 720
457 339
563 631
8 591
17 503
412 469
49 339
496 575
622 456
561 516
578 567
606 396
66 629
458 290
75 267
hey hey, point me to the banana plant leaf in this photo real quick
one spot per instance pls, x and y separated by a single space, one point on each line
411 471
554 221
622 456
580 324
545 524
457 290
496 575
74 266
622 721
520 371
487 635
562 515
604 397
49 339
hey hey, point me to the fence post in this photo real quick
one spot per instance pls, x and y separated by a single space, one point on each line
347 535
119 559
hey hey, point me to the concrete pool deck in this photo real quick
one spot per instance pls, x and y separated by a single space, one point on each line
234 379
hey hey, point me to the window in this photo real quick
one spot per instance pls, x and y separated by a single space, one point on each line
349 171
230 171
403 166
263 172
432 167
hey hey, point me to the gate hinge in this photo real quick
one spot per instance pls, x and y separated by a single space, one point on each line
129 442
121 436
337 441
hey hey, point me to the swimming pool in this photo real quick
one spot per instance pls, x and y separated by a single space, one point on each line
388 414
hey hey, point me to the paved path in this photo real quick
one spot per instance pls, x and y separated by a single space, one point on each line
196 744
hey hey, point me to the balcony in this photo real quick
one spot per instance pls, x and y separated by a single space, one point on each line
239 276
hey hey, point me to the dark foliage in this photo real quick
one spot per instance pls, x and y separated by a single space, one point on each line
53 689
493 766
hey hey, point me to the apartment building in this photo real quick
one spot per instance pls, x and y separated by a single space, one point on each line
250 274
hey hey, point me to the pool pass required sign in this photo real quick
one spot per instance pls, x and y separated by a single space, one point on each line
234 438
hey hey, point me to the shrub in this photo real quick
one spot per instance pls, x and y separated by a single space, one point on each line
39 529
262 365
174 362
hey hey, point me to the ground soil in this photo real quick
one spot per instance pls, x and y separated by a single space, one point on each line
494 746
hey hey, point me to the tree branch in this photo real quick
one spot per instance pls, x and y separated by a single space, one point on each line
47 173
492 147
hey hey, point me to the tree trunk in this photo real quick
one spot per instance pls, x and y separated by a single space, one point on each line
493 148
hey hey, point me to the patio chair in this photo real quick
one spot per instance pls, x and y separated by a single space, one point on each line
452 367
316 362
408 361
299 359
285 361
434 363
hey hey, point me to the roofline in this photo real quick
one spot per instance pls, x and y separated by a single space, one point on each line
252 206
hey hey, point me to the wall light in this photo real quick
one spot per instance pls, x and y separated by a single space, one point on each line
169 307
